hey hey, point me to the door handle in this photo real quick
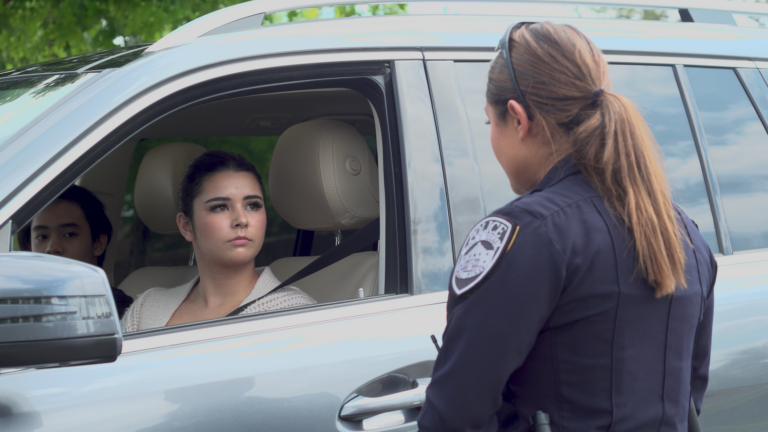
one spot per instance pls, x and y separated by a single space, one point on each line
360 407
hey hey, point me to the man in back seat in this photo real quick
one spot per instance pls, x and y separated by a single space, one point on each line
74 226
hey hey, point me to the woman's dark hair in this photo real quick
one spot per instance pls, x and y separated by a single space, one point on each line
94 211
206 165
562 74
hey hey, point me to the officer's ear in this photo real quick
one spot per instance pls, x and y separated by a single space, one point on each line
516 114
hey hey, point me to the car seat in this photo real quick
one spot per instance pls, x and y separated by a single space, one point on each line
156 197
323 177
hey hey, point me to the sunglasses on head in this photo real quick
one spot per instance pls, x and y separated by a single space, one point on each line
504 47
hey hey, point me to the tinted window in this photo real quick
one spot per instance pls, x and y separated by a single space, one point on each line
738 145
655 91
472 79
757 87
74 63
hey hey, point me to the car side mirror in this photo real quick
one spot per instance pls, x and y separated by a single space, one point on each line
55 312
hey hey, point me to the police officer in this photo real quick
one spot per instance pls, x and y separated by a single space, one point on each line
590 297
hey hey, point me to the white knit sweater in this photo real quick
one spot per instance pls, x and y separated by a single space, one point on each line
154 307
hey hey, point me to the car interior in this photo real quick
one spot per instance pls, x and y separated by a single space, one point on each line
316 151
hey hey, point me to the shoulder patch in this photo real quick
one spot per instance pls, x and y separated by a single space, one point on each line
484 246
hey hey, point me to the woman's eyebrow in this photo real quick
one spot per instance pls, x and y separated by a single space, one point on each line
225 199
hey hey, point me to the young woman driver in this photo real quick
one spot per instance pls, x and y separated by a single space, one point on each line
221 200
590 297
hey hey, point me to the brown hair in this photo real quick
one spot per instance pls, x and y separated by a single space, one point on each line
559 70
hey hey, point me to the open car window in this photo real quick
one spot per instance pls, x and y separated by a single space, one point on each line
141 257
151 256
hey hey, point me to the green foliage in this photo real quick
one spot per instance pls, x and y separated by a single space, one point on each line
33 31
336 12
634 14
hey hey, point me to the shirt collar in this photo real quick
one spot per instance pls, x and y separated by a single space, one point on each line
563 168
264 284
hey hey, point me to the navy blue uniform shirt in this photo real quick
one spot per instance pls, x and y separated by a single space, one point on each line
562 323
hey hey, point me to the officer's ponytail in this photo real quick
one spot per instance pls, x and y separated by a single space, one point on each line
563 74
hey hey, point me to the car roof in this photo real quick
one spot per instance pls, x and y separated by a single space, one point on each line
476 32
483 32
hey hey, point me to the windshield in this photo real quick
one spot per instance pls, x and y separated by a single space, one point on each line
24 99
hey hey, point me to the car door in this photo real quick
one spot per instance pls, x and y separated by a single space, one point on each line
283 370
708 117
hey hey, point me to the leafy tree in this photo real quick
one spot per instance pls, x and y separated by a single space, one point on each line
33 31
628 13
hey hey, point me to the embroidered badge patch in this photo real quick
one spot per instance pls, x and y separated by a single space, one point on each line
485 244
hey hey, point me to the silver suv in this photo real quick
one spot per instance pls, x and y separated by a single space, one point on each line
413 86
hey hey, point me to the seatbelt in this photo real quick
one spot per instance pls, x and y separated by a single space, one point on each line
364 237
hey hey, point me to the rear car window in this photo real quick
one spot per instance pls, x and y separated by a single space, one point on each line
757 89
738 144
654 89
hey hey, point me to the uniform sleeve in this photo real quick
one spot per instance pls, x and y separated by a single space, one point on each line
703 345
490 333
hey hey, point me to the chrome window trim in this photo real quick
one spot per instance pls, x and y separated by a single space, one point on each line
686 61
460 55
710 179
132 108
474 55
303 317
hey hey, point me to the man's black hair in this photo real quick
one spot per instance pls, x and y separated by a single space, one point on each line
94 211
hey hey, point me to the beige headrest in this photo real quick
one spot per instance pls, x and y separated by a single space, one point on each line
323 177
156 194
